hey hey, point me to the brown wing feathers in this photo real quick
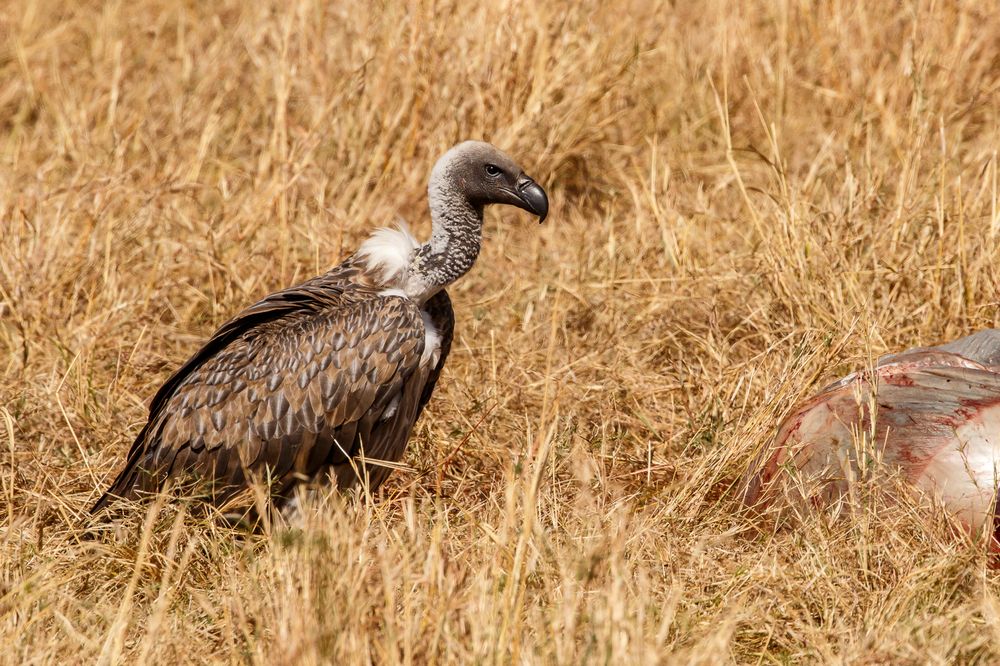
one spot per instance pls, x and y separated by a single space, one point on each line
282 390
387 438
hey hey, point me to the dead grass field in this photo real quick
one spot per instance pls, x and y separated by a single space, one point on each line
749 198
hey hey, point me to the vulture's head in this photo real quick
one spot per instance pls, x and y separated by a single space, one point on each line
481 174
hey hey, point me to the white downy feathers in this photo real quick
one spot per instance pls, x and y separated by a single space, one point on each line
387 252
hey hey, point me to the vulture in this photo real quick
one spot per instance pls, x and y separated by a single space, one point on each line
936 414
325 380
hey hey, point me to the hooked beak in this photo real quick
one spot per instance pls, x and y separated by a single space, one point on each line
533 197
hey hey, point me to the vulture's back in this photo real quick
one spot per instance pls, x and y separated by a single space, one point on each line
293 387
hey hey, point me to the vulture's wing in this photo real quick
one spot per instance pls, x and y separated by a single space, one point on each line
387 438
937 424
284 389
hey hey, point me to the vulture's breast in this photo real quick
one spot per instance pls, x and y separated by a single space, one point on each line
432 341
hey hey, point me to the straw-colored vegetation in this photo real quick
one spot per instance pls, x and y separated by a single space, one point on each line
749 198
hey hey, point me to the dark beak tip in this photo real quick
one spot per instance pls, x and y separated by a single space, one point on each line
535 200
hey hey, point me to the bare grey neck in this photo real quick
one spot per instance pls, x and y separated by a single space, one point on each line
456 236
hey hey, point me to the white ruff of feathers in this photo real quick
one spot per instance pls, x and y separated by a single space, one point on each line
421 270
387 253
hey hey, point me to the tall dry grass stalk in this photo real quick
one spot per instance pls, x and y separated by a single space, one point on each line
748 198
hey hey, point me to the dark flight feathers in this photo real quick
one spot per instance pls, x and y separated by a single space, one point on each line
292 388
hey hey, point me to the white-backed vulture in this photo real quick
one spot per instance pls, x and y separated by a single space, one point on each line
311 380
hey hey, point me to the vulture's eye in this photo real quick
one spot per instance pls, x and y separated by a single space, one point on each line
493 171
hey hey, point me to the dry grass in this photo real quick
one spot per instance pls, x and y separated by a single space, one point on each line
748 198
